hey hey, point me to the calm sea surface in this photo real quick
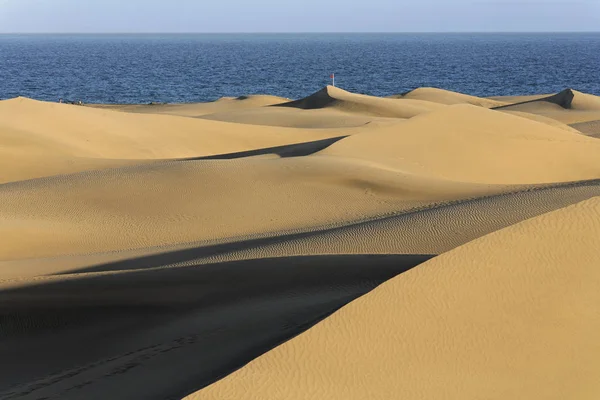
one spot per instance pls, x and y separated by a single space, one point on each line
202 67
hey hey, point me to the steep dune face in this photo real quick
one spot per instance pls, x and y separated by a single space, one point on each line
568 106
585 102
442 96
510 315
332 97
563 99
505 149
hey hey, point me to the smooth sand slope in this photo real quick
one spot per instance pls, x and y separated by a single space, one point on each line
568 106
187 201
330 107
339 99
431 229
546 120
146 256
297 118
42 139
389 169
511 315
580 110
450 142
224 104
442 96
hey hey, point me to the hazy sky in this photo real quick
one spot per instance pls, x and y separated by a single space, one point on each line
298 15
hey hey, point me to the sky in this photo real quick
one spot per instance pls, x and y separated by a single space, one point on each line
132 16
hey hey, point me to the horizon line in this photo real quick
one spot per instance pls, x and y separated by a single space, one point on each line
280 33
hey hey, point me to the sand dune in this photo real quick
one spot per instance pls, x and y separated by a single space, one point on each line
506 149
158 334
256 110
177 202
510 315
48 139
507 100
151 250
442 96
568 106
224 104
296 118
181 310
189 322
336 98
408 231
545 120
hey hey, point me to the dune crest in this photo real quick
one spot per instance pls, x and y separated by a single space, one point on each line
333 97
510 315
567 99
223 104
45 139
506 149
568 106
447 97
326 118
545 120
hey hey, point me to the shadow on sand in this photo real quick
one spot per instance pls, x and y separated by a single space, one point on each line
165 333
290 150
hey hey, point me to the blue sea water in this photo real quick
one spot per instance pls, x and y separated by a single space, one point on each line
203 67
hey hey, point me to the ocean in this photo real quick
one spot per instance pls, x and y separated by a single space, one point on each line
204 67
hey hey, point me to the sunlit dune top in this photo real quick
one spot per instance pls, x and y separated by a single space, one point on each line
474 144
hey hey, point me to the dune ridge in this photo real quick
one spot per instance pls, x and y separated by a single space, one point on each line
405 231
339 99
501 316
82 138
223 104
448 142
568 106
447 97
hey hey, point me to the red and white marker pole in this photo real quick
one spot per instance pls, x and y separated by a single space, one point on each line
333 78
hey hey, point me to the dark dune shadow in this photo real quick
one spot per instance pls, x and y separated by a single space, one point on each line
165 333
563 99
290 150
320 99
590 128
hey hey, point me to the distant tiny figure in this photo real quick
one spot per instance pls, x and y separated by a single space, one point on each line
60 100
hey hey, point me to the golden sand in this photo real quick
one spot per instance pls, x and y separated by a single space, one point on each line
510 315
148 251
